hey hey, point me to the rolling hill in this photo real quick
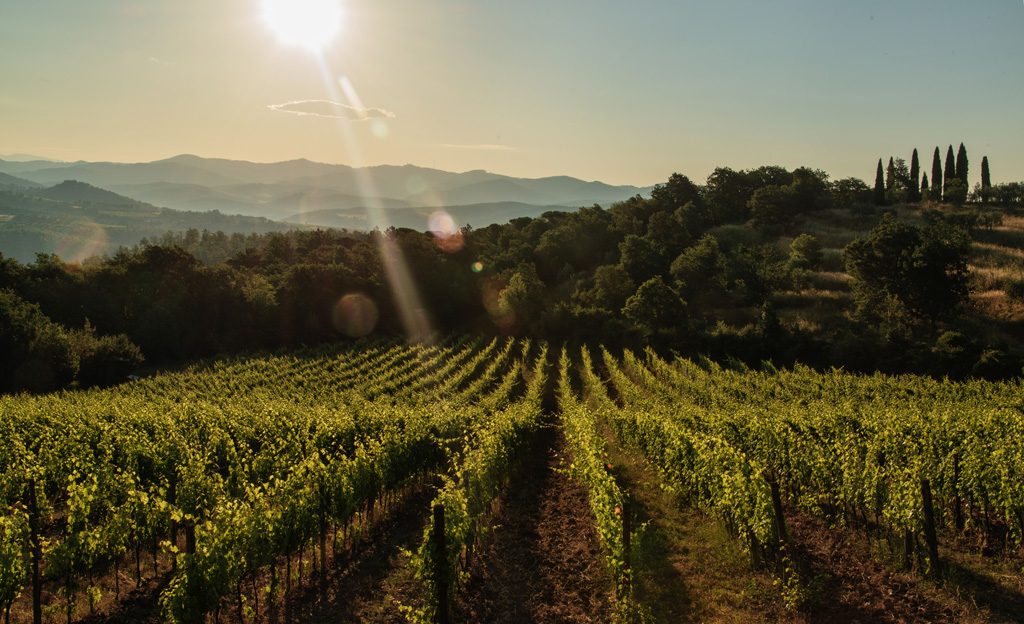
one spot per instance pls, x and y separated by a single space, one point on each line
77 220
283 189
14 182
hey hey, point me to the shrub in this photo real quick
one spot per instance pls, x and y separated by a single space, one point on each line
35 350
104 360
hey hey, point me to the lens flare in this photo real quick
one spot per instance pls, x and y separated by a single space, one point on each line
502 317
447 235
84 239
440 223
355 315
414 317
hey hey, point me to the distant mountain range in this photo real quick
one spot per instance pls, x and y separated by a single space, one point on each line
87 208
77 220
285 189
25 157
13 182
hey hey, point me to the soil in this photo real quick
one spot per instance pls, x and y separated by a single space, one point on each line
541 561
374 582
850 585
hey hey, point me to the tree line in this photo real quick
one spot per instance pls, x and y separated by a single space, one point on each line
674 271
898 183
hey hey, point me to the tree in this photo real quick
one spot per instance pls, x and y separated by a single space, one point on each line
774 205
986 180
961 165
899 192
913 189
879 196
727 193
699 268
923 268
677 191
936 194
849 192
956 192
925 191
35 352
103 360
522 300
949 173
612 286
811 187
667 233
655 309
639 258
805 252
890 176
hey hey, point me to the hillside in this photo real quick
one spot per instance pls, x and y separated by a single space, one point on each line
12 182
279 190
416 218
77 220
549 485
75 192
761 267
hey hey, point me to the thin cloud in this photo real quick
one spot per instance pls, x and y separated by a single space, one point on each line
330 110
486 147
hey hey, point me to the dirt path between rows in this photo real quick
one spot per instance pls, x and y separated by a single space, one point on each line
542 561
850 585
373 583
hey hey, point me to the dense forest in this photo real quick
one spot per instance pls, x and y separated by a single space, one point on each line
756 265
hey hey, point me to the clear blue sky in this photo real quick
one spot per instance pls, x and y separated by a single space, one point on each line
625 92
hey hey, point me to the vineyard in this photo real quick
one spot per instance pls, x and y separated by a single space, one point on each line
248 489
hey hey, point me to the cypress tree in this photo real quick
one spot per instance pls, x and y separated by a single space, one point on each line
913 193
950 170
924 186
986 180
937 175
961 164
879 196
890 175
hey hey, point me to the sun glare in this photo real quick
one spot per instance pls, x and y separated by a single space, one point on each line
307 23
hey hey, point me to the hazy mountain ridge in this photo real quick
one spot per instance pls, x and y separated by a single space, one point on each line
280 190
75 192
10 181
77 220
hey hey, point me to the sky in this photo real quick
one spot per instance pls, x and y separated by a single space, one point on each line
626 92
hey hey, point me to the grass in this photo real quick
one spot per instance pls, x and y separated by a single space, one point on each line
995 304
686 566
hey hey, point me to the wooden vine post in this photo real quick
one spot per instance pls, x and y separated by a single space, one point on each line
440 561
958 513
37 553
172 529
323 538
929 528
627 550
778 515
190 537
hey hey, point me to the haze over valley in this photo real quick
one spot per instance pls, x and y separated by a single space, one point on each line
85 208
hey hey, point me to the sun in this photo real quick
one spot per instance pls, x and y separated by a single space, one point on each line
311 24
